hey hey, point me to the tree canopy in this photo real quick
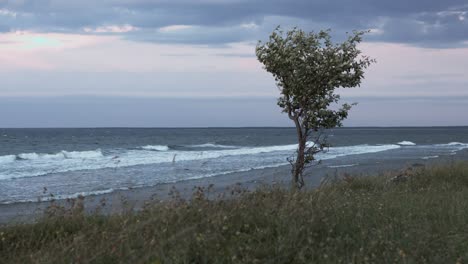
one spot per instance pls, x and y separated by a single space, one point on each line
308 67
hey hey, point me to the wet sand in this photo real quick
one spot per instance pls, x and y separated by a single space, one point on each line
134 199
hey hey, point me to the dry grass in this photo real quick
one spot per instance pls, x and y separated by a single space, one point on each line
423 219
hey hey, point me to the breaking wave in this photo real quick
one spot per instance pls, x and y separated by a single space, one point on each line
7 159
342 166
62 196
156 147
92 154
430 157
33 164
406 143
211 145
456 144
44 156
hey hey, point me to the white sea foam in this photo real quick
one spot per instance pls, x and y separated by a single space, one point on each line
235 171
83 154
140 157
211 145
62 155
93 160
28 156
430 157
342 166
406 143
237 160
136 157
156 147
76 195
7 159
355 150
455 144
63 197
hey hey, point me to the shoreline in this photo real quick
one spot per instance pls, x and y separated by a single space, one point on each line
120 201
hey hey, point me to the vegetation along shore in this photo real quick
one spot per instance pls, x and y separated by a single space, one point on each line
413 217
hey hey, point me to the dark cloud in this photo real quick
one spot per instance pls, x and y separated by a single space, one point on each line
202 35
420 22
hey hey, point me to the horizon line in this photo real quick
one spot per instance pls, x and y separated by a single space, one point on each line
238 127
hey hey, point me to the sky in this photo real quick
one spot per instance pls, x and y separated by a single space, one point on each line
182 63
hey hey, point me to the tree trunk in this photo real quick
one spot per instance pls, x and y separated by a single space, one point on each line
298 167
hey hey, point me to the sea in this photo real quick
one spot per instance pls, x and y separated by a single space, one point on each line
35 163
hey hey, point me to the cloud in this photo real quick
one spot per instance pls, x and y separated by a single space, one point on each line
175 28
8 13
111 29
400 69
417 22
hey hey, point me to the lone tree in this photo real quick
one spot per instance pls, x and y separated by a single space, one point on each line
308 67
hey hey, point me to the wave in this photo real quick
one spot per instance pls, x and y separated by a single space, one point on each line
456 144
233 171
92 154
111 190
136 157
406 143
453 144
79 194
156 147
430 157
83 154
43 164
335 152
40 166
7 159
63 196
342 166
211 145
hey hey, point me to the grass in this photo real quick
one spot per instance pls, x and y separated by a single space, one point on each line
355 220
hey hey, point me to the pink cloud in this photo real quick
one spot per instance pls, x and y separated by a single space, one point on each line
400 70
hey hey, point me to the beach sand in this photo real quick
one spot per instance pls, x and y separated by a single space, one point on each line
121 200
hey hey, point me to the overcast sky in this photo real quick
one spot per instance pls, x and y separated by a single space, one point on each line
192 63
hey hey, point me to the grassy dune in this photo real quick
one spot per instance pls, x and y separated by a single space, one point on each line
421 219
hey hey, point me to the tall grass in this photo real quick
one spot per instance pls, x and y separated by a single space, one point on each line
423 219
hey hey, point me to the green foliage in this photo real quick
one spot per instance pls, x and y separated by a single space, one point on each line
308 67
354 220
